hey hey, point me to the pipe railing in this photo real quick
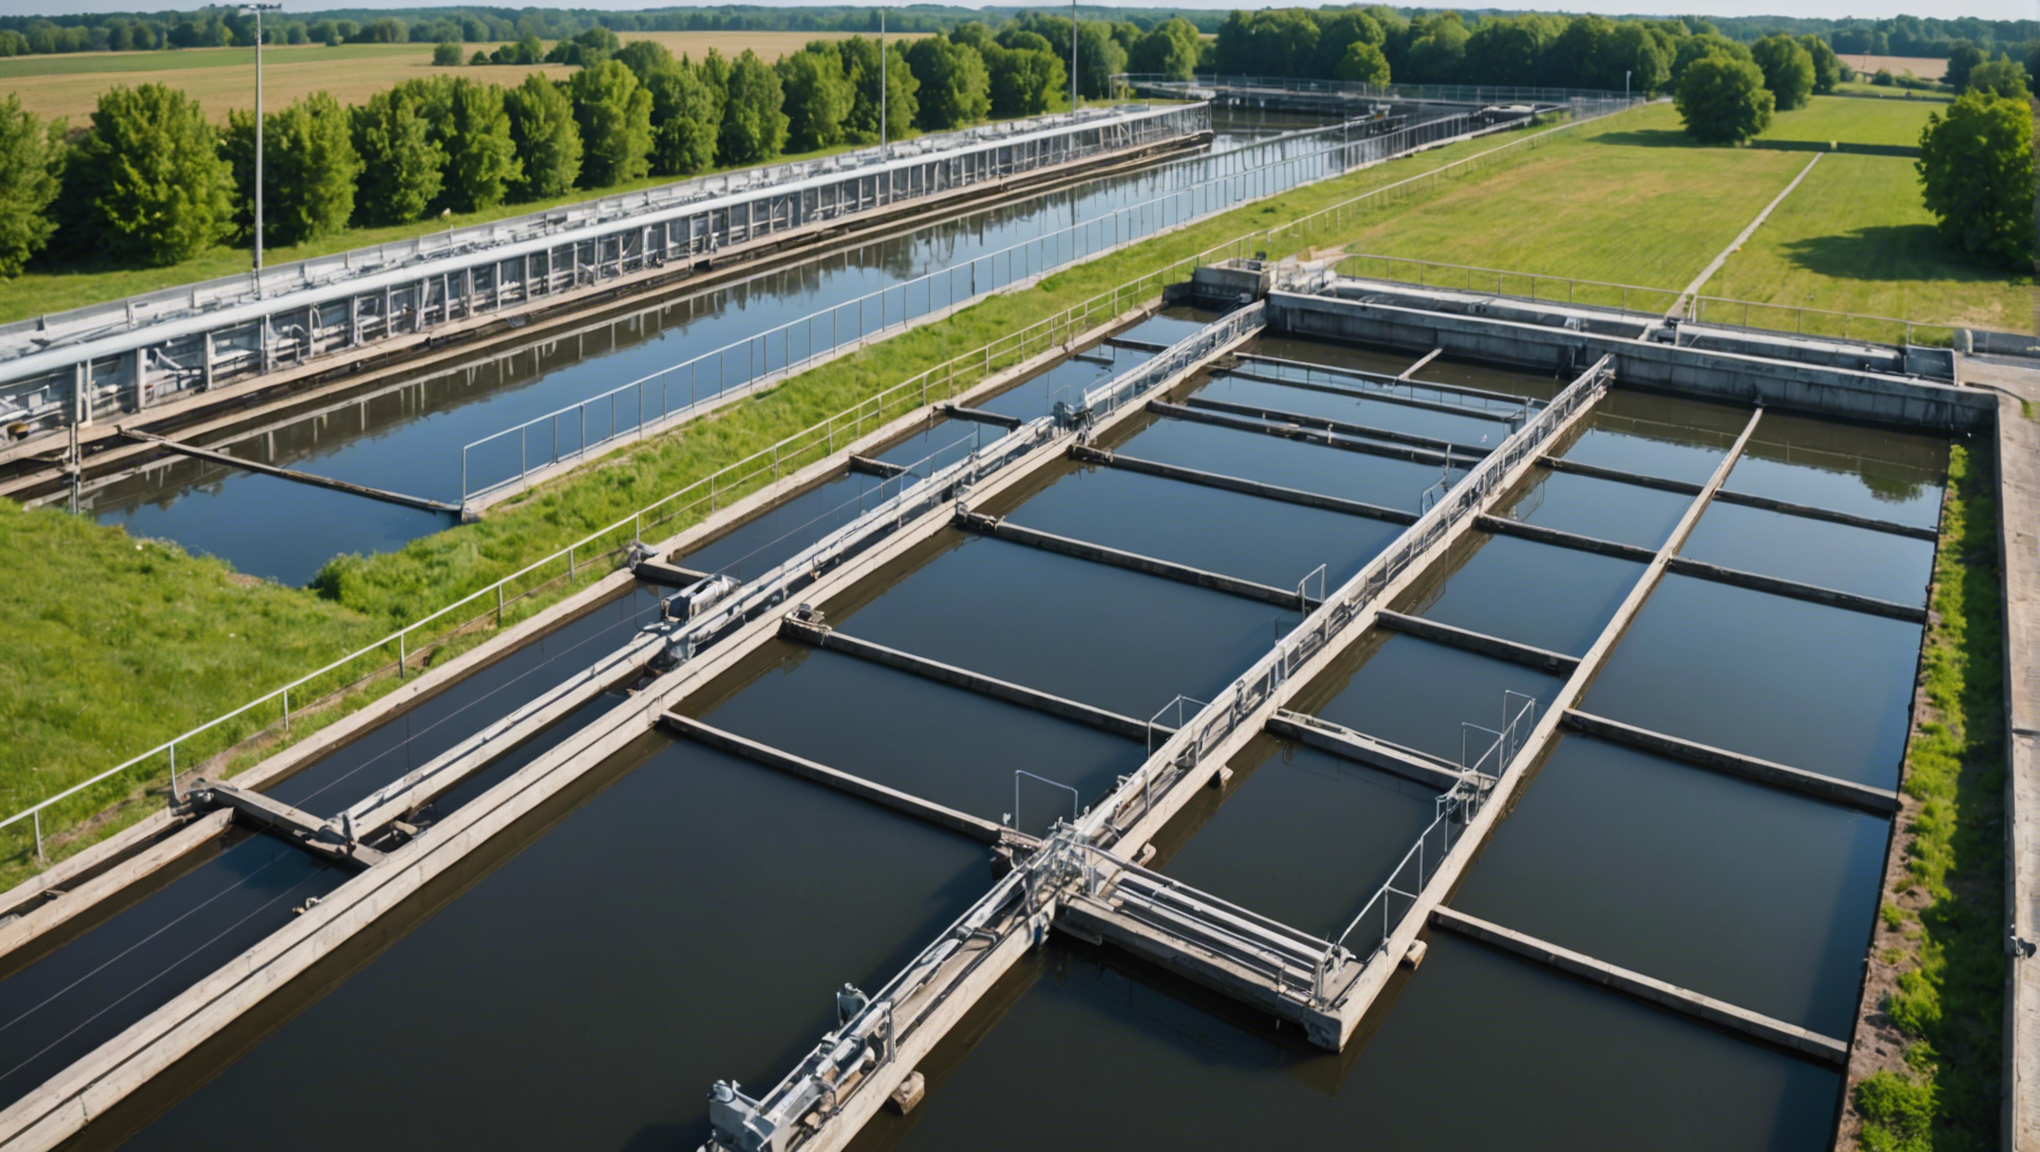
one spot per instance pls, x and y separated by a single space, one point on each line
1650 303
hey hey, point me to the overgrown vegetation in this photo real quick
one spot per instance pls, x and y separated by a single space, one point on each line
1948 1004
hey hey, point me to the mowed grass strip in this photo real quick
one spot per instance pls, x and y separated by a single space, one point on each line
1856 238
1625 202
1638 203
232 641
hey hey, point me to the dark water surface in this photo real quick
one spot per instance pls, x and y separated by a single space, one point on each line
846 713
1533 593
1480 1052
1755 896
63 1006
1807 685
1864 561
684 926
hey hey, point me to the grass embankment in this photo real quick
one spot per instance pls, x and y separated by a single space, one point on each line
1639 203
1939 946
365 597
114 645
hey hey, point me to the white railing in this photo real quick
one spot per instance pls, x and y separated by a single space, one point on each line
1650 303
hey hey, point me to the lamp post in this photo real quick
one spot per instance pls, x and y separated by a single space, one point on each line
883 149
1073 57
258 9
1625 84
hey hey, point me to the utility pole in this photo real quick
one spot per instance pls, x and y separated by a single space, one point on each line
883 150
1073 57
1627 73
258 9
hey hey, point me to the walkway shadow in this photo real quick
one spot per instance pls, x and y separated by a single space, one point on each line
1854 255
1650 138
1906 151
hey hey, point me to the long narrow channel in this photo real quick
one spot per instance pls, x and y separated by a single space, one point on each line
409 439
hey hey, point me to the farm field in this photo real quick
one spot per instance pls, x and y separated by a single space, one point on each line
1634 203
1924 67
223 79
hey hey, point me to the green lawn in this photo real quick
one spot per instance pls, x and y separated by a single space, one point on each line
225 640
1855 238
1626 201
1639 204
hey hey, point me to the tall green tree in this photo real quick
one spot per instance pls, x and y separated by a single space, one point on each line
1099 58
644 58
1723 100
1643 53
1962 56
754 116
686 118
1512 49
1827 67
481 158
547 137
150 180
1336 32
1026 80
902 90
955 86
816 97
309 169
31 162
1363 63
2003 76
614 113
1170 49
1788 70
1976 167
397 137
1695 48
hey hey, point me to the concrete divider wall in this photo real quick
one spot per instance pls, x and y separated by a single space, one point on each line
1413 319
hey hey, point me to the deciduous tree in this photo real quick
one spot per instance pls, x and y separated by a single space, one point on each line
1976 166
150 179
481 157
1787 68
614 113
1363 63
548 140
686 119
309 169
955 87
31 160
403 161
902 89
816 97
754 117
1723 100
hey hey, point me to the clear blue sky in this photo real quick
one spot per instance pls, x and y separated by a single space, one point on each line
1833 9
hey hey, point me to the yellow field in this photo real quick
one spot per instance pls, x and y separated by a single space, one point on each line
222 79
1924 67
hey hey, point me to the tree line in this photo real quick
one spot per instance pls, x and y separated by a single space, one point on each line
222 27
154 182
